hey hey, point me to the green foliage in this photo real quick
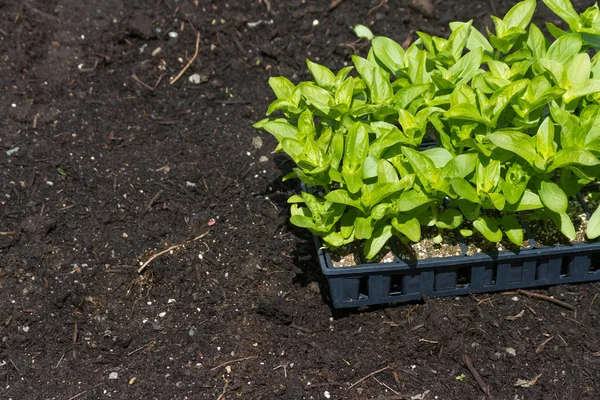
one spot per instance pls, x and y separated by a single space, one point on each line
516 120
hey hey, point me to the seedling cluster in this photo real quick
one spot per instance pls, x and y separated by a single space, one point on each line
514 116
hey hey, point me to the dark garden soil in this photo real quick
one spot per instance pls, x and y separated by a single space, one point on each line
104 164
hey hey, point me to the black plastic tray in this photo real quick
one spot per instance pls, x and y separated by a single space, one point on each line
397 281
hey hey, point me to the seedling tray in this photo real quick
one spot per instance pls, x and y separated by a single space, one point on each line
368 284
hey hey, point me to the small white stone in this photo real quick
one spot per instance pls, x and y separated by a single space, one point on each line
171 301
162 314
511 351
113 375
173 35
327 394
315 23
25 329
195 78
515 298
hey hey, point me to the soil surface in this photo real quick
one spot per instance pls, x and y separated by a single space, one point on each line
104 164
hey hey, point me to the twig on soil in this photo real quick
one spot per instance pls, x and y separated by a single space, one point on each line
144 265
394 397
224 390
151 202
189 62
377 7
574 320
334 4
14 365
396 379
417 327
232 361
63 356
90 69
368 376
543 344
386 386
8 233
410 311
284 366
142 348
42 13
428 341
592 303
482 385
564 341
144 84
301 329
75 333
547 298
84 392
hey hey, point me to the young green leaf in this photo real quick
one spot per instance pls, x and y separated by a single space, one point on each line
362 32
278 127
564 223
536 42
344 93
464 190
564 9
422 165
342 196
593 228
467 112
465 68
553 197
476 39
282 87
565 48
410 200
573 156
470 210
512 229
488 176
438 155
356 151
460 166
390 53
450 218
379 86
363 227
377 241
545 145
488 227
519 143
520 15
578 70
323 75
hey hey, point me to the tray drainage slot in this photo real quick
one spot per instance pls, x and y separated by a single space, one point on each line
459 278
396 285
566 266
595 264
355 288
463 278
